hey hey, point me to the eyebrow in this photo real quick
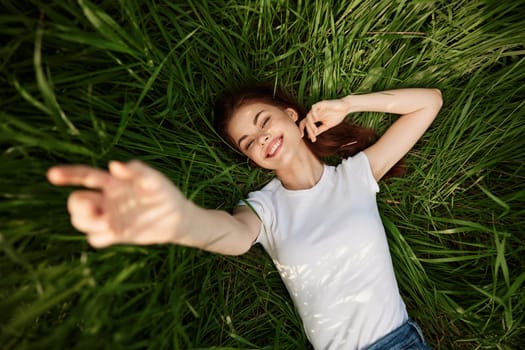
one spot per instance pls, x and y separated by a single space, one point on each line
255 121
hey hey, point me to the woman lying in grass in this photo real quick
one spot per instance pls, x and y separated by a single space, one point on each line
319 223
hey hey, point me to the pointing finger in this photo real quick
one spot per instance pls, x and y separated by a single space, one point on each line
78 175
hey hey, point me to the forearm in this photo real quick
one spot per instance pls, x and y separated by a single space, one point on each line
417 107
213 230
401 101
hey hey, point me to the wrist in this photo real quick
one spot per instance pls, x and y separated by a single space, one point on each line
350 104
184 218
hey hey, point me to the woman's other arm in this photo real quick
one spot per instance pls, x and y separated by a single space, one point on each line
135 204
417 107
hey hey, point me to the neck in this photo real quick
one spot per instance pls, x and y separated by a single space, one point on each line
303 173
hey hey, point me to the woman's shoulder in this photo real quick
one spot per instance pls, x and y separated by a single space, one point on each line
267 192
358 167
272 186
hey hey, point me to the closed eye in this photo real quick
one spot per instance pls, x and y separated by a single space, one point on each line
265 121
263 124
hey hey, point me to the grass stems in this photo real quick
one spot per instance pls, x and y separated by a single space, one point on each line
86 82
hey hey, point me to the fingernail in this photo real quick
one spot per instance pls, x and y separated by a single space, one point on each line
53 174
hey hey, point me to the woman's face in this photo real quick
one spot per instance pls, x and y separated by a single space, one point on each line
266 134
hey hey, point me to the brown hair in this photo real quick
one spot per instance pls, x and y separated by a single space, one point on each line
344 140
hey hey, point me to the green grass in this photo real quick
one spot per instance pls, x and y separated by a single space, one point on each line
85 83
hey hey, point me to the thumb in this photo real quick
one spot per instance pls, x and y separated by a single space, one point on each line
101 240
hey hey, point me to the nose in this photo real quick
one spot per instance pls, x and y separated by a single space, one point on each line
263 138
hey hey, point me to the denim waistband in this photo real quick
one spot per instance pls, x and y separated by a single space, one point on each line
406 337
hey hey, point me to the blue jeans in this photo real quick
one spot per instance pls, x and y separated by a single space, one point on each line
406 337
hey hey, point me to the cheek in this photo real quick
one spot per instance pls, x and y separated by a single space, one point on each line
254 156
248 154
256 159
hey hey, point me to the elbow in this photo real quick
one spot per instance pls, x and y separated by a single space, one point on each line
229 249
238 245
239 250
239 253
244 246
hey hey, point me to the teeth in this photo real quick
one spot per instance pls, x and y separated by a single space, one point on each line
275 146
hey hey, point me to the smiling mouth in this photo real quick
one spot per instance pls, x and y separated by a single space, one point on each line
274 147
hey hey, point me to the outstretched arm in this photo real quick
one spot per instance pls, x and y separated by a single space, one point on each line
417 107
135 204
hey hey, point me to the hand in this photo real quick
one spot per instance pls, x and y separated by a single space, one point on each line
132 203
323 116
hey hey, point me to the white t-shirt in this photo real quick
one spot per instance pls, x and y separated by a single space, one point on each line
330 248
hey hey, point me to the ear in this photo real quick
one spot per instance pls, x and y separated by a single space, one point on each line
292 113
